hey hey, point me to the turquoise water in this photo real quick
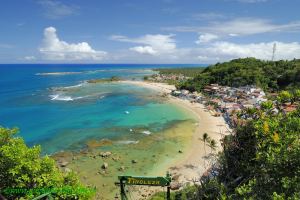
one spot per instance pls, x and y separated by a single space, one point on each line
63 112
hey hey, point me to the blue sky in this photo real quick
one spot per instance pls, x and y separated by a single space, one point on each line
147 31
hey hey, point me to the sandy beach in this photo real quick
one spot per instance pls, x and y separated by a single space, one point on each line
186 159
197 158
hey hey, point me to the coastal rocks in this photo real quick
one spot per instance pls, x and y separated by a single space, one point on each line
134 161
104 166
115 159
63 163
176 177
105 154
175 186
122 168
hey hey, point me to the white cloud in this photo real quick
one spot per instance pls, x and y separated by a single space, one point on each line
55 49
144 50
226 50
207 37
56 9
240 26
29 58
153 44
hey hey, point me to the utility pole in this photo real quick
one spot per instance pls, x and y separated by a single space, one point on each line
274 51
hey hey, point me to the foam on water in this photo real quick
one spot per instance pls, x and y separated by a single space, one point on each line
58 97
128 142
146 132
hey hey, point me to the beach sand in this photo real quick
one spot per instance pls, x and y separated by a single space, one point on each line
181 149
196 160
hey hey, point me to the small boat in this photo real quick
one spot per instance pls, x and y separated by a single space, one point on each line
126 112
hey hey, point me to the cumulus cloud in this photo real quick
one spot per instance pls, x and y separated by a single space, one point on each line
240 26
144 50
227 50
55 49
207 37
56 9
152 44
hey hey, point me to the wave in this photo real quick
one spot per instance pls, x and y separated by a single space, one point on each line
58 97
74 86
57 73
146 132
62 97
67 87
128 142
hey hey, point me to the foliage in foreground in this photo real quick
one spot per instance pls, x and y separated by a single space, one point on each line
24 174
268 75
261 161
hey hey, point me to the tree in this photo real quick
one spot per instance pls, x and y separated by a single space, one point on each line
284 97
23 168
260 161
212 145
296 95
205 138
266 106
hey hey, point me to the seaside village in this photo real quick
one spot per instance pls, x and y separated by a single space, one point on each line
227 101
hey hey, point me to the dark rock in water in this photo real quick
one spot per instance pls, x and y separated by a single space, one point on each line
175 185
105 154
176 177
122 168
134 161
64 163
104 166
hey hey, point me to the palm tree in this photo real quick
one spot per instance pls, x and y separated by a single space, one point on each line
205 139
212 145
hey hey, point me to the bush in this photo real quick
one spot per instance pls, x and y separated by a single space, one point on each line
24 174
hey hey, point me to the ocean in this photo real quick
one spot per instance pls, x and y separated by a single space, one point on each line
54 106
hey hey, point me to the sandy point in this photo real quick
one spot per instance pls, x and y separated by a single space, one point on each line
197 159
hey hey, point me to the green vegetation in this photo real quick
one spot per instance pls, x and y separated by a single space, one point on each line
184 194
24 174
260 161
185 71
104 80
269 75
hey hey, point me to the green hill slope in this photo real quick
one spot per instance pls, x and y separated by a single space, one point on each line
269 75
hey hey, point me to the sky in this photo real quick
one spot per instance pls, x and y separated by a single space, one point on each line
147 31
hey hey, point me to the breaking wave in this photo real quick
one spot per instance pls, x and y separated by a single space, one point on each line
128 142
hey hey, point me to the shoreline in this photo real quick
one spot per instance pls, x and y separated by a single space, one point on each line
186 163
195 162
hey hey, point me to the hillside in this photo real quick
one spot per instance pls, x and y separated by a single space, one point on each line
269 75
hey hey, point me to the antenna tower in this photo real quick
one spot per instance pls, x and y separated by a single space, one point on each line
274 51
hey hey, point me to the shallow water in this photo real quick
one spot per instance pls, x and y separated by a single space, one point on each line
62 112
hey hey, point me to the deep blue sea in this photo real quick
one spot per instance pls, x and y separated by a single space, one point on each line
54 106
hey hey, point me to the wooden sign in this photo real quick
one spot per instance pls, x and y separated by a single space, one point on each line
151 181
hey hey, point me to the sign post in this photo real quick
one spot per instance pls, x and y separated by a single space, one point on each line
140 180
